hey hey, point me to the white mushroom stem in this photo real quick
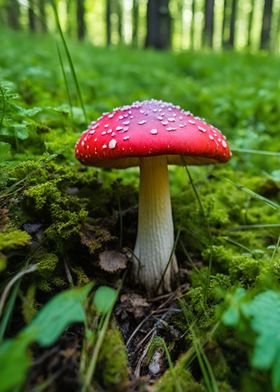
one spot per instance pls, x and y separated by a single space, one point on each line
155 237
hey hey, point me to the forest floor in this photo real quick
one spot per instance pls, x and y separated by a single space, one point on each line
218 330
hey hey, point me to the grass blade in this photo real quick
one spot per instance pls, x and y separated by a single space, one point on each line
69 58
257 152
254 194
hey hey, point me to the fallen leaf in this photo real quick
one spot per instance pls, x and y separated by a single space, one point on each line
112 261
134 303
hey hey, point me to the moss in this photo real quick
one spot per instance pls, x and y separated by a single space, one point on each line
112 361
219 253
29 307
215 211
82 278
42 194
13 238
178 379
218 285
93 237
59 282
44 286
245 269
47 264
195 299
3 262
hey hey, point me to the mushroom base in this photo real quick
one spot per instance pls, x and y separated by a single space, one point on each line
155 236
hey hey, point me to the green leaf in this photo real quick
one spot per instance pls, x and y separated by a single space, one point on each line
64 309
104 299
276 374
14 361
5 151
264 311
232 315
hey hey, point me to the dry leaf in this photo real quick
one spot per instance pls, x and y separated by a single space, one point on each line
134 303
112 261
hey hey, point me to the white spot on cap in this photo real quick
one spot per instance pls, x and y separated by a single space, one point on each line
224 144
171 129
112 143
126 138
126 122
191 122
211 137
153 131
164 122
201 129
141 122
171 119
91 132
104 146
103 133
119 128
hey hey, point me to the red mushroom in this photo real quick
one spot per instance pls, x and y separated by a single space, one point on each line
152 134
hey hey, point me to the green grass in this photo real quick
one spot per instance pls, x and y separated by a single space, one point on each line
227 216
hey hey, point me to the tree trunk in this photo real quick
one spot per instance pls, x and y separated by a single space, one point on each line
120 20
208 23
80 13
225 24
158 24
192 35
31 16
250 23
108 22
13 12
69 20
266 24
231 40
135 24
42 13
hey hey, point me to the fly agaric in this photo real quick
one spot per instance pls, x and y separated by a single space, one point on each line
152 134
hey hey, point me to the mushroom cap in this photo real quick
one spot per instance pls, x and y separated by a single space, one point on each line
118 139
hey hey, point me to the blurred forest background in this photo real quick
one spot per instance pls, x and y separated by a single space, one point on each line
161 24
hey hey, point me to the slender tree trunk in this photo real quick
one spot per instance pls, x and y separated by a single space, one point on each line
192 25
266 24
225 23
80 14
276 40
42 13
250 23
231 40
13 13
158 24
108 22
208 23
135 24
69 21
120 20
31 16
